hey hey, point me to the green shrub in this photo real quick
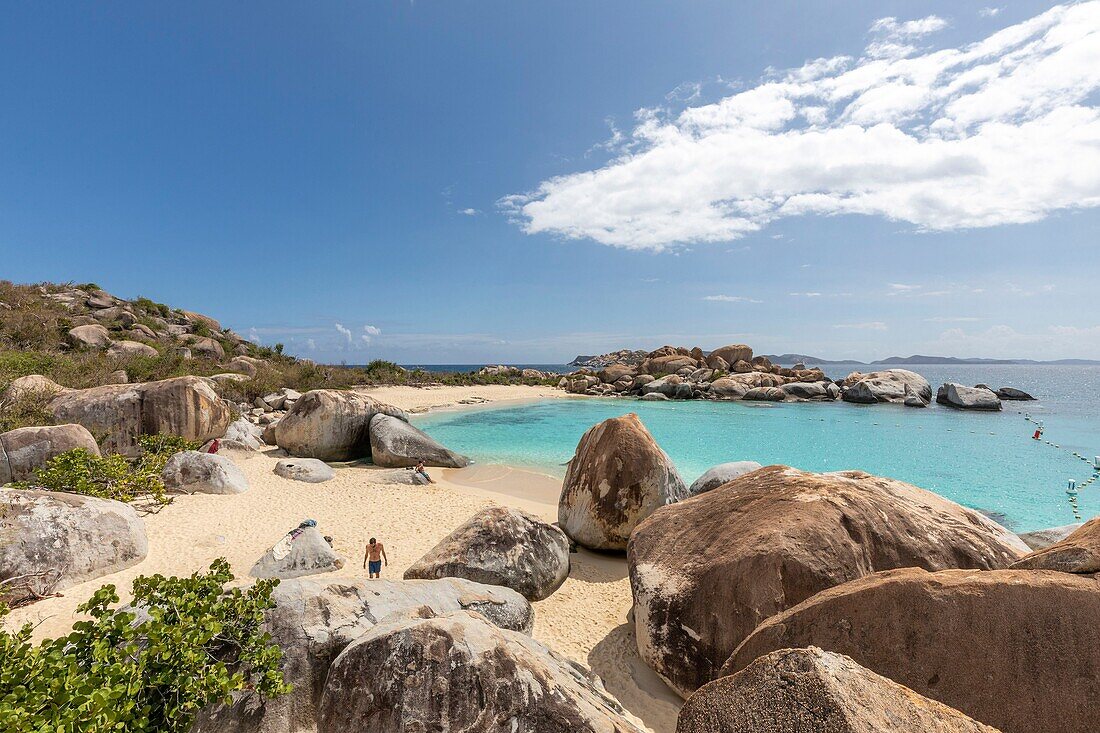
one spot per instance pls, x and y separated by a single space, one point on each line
201 329
79 471
194 643
26 410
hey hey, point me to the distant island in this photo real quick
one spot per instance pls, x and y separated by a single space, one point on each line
632 357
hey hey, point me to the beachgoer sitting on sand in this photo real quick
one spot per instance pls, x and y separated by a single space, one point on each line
375 554
423 471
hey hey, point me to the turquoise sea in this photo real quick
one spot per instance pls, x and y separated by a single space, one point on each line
987 461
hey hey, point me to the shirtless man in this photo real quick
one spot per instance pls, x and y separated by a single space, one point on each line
375 554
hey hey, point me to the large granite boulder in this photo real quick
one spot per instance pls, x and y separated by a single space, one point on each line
807 390
205 346
617 477
706 571
721 474
302 552
614 372
396 444
192 472
246 365
912 399
92 336
885 386
24 450
1077 553
765 394
668 364
242 435
419 671
183 406
733 353
735 386
309 470
1009 648
73 537
501 546
810 690
314 620
331 425
967 398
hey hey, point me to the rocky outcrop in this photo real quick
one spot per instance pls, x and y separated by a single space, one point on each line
765 394
668 364
1013 394
804 690
396 444
1041 538
772 538
183 406
623 356
1029 636
721 474
191 472
24 450
457 672
808 390
331 425
242 435
888 385
309 470
912 399
302 552
501 546
314 620
74 538
1077 553
33 385
617 477
967 398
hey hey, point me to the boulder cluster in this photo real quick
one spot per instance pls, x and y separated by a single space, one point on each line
733 373
501 370
102 322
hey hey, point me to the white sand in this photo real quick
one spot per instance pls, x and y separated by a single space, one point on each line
585 619
422 399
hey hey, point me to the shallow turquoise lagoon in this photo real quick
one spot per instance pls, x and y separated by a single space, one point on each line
983 460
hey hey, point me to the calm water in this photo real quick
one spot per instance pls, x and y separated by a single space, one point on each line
983 460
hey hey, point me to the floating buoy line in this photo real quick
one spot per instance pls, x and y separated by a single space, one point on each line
1072 487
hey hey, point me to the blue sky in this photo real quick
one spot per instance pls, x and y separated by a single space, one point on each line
455 182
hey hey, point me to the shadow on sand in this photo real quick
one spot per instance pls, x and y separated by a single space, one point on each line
638 688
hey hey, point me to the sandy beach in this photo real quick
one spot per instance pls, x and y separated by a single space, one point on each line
438 397
585 619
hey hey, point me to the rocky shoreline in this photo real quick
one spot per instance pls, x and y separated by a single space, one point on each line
733 373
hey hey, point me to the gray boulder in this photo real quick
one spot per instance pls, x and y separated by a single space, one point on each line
130 348
306 553
967 398
765 394
309 470
24 450
1011 393
721 474
396 444
501 546
807 390
90 336
887 385
242 435
73 537
804 690
419 671
314 620
912 399
654 397
192 472
331 425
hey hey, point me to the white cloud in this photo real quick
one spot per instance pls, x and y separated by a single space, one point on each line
807 295
311 344
469 212
869 326
989 12
892 28
730 299
372 330
1004 341
1005 130
254 335
345 332
953 319
903 288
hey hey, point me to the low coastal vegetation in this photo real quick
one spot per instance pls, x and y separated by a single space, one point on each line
80 336
79 471
182 644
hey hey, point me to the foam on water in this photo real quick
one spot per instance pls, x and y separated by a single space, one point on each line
983 460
